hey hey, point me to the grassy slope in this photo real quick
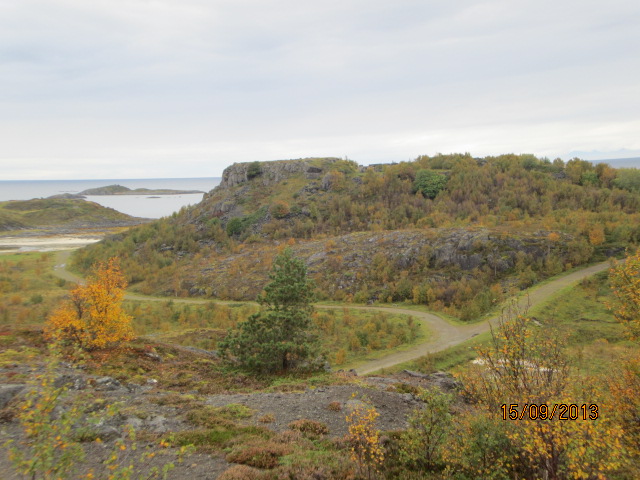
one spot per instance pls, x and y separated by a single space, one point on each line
28 289
29 292
579 313
56 212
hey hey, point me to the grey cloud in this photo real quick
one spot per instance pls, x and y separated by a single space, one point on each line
245 79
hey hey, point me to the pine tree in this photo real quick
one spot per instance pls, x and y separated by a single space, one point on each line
279 337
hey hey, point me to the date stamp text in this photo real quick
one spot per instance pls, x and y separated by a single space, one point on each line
559 411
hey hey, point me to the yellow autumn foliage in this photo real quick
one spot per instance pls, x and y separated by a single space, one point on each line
625 282
93 317
525 366
364 438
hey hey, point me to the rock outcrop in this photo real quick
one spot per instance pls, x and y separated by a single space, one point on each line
269 173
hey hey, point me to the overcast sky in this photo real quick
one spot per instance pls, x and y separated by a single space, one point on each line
183 88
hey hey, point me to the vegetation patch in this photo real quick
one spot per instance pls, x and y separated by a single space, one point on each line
579 314
260 456
28 289
216 438
21 214
309 427
400 232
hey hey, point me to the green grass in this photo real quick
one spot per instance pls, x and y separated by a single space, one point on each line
581 316
54 212
29 292
366 334
362 334
15 257
578 314
185 323
28 289
215 439
444 360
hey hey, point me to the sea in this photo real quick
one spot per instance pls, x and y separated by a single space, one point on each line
145 206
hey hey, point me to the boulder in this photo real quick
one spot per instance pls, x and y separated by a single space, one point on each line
107 383
72 382
8 392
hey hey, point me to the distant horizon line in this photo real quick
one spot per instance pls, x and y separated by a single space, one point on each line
105 179
603 160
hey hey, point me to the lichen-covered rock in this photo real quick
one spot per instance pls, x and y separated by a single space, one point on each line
8 392
72 382
273 172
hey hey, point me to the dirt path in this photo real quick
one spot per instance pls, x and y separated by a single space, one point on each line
443 334
447 335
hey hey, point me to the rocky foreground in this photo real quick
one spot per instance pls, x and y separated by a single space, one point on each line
167 409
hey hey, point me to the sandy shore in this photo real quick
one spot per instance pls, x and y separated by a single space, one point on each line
49 243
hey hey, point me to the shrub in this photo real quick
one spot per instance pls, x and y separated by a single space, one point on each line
235 226
267 418
94 317
625 283
241 472
364 440
259 456
36 298
429 183
50 449
305 425
279 209
293 437
424 440
480 447
254 170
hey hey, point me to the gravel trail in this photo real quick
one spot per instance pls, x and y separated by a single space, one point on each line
443 334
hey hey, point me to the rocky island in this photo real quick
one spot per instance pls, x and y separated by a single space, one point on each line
120 190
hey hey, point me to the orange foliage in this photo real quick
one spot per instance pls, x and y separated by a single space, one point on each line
341 356
596 235
93 317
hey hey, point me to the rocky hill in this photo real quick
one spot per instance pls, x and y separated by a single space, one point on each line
453 232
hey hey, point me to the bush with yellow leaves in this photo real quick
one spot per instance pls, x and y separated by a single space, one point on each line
93 317
364 439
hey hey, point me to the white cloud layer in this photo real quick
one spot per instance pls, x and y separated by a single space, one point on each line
163 88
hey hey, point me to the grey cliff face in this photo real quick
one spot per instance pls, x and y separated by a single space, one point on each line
273 172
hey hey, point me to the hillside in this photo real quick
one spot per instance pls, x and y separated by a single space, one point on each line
136 406
452 232
59 213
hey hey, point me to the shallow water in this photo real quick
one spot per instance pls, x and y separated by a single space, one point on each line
45 243
147 206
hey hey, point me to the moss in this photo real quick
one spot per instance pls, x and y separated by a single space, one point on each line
208 416
18 356
235 411
218 437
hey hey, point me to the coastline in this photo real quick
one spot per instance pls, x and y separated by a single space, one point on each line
46 243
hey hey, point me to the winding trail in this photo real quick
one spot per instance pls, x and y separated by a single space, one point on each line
443 334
